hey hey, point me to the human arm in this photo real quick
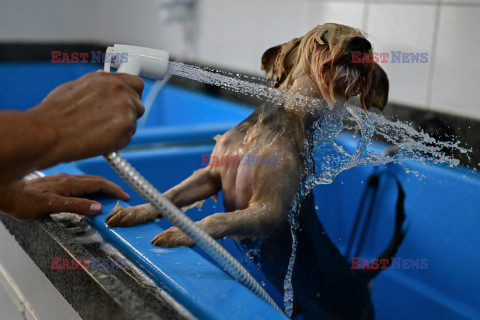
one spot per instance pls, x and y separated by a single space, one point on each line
93 115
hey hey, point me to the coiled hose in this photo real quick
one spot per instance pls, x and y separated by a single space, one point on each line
187 226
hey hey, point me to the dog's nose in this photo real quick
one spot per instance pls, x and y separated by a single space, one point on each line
359 44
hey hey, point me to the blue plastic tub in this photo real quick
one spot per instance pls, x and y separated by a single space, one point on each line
443 212
187 275
177 115
442 216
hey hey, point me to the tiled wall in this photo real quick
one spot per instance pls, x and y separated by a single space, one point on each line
235 33
31 20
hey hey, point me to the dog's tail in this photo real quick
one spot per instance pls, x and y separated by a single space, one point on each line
397 239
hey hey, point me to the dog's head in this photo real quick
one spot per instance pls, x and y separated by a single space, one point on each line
323 61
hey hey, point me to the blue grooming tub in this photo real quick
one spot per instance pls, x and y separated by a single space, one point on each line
189 276
442 212
442 217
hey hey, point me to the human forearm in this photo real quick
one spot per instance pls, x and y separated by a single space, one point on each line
26 144
90 116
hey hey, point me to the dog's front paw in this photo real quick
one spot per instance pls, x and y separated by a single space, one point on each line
129 216
172 238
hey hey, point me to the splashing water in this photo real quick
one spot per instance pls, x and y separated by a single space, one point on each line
287 282
412 144
252 255
328 158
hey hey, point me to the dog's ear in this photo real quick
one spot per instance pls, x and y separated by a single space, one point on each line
377 95
277 62
268 60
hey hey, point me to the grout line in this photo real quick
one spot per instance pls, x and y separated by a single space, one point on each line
433 50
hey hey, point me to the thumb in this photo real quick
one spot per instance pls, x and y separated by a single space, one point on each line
75 205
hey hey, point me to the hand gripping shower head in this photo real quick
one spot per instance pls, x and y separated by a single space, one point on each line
152 63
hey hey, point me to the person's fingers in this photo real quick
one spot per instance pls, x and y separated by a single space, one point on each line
85 184
133 99
134 82
57 204
136 101
139 108
76 185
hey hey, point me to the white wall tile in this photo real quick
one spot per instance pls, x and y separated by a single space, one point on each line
236 33
406 28
404 1
36 21
456 81
122 21
347 13
209 31
139 23
280 22
228 33
460 2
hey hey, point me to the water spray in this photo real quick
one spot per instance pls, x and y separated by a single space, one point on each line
153 64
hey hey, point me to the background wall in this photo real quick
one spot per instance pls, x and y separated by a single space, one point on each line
235 33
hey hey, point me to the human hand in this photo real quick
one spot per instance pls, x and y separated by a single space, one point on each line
93 115
56 193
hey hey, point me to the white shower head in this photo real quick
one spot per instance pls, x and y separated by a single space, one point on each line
139 61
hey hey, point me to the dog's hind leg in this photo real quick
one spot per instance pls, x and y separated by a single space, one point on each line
199 186
256 221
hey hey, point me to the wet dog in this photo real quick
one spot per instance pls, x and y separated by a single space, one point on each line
257 199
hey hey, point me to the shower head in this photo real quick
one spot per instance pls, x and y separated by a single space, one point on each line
139 61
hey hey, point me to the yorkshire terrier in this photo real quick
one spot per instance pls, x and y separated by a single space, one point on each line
258 198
